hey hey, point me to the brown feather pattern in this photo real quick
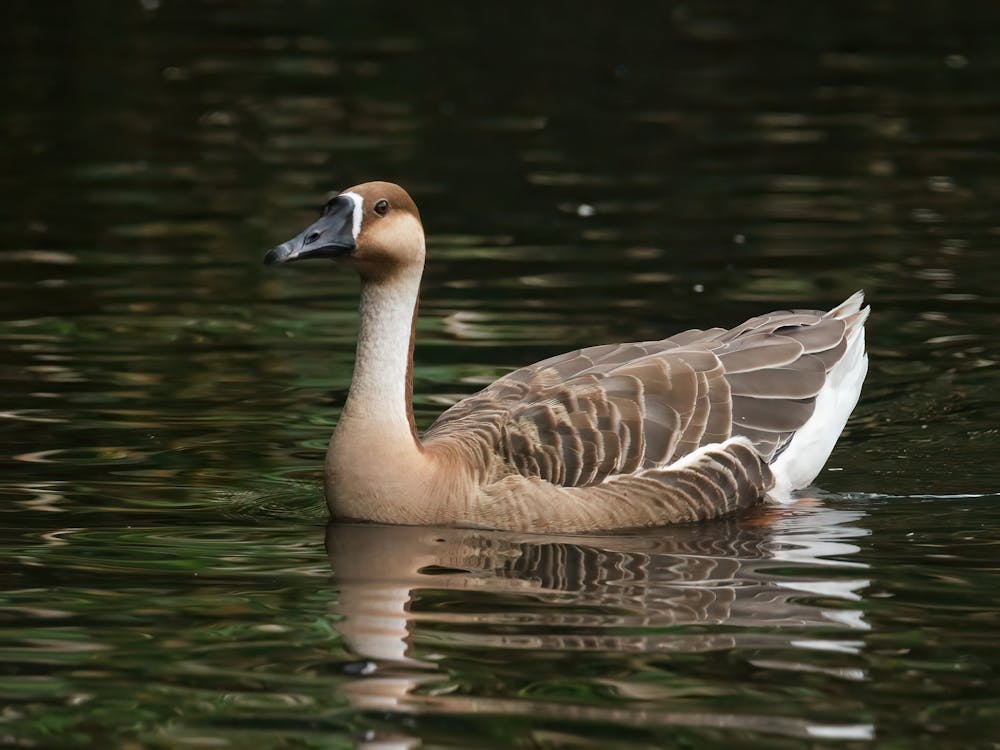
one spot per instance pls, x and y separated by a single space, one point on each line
608 421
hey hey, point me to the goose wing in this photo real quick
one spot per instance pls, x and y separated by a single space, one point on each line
580 417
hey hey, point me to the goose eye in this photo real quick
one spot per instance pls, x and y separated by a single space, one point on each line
381 207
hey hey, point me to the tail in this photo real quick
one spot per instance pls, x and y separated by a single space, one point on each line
809 449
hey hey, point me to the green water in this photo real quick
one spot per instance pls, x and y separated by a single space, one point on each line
585 176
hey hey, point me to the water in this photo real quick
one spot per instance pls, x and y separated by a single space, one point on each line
585 175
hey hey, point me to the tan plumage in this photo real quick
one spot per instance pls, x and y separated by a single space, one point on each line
692 427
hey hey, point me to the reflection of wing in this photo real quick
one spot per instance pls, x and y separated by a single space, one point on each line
579 418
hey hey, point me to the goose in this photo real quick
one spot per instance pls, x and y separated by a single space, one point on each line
697 426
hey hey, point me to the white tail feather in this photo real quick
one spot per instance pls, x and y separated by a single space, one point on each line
809 449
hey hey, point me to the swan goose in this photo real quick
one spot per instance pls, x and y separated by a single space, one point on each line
692 427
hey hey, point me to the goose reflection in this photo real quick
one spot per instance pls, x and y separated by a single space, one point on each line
413 598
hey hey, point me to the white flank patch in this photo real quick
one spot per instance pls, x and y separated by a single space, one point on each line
359 212
691 458
699 453
812 445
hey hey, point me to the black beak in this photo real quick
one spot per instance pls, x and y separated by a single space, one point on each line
332 236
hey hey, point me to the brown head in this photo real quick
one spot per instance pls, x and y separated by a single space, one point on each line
374 226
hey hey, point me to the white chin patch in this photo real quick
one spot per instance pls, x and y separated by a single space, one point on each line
359 209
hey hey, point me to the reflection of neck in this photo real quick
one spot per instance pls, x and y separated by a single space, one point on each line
382 387
375 568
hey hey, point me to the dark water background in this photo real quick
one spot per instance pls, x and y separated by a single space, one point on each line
586 174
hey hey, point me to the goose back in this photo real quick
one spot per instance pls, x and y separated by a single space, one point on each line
577 419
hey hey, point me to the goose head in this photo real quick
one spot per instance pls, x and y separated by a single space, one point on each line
374 226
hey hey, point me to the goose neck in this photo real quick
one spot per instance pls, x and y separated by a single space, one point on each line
382 387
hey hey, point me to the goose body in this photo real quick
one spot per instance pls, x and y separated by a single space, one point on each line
691 427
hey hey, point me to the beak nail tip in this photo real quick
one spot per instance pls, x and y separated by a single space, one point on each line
276 255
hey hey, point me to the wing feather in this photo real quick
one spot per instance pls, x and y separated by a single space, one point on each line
590 415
